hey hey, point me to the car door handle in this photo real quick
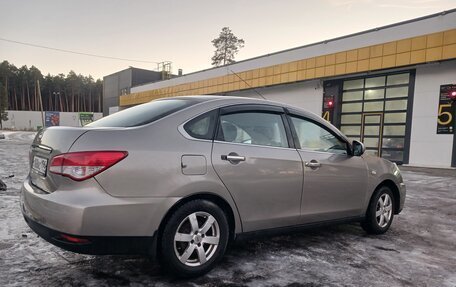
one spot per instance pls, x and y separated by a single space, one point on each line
312 164
233 158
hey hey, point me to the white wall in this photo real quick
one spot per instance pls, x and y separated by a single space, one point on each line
30 120
69 119
23 120
427 148
306 95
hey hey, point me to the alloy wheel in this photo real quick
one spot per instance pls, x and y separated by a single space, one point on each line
384 210
196 239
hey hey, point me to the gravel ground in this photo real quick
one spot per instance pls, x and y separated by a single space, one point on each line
419 249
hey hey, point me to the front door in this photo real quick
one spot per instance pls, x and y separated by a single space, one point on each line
252 157
335 183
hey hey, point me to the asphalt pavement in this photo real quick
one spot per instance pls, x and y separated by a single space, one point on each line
418 250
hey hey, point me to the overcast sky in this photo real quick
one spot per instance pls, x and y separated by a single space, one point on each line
181 31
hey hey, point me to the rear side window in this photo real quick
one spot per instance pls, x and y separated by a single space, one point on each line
256 128
143 114
203 126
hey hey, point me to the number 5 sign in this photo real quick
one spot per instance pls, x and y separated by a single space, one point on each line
445 116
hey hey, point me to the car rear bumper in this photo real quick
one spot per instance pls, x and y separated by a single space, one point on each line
91 212
95 245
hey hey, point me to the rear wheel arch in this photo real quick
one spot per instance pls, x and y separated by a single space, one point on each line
216 199
394 189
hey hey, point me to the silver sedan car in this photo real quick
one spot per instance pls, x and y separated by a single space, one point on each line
179 178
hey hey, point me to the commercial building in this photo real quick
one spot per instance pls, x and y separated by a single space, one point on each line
386 86
120 83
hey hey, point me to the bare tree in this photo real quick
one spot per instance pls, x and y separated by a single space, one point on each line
227 45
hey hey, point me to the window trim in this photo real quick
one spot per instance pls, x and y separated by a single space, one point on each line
236 108
296 138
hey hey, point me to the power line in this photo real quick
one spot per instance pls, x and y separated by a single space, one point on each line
74 52
255 90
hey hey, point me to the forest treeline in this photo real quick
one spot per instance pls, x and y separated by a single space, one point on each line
66 93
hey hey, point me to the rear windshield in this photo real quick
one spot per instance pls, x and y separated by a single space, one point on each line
143 114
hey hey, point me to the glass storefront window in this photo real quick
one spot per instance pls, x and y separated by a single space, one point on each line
371 130
396 105
371 142
394 130
393 143
374 94
398 79
374 110
375 82
373 106
397 92
351 130
352 96
372 119
354 84
350 119
395 117
350 108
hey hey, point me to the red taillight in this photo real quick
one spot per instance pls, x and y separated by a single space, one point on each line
86 164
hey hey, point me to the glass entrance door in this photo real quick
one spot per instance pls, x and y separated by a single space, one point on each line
371 132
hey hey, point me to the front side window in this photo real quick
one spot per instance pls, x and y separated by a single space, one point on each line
316 138
256 128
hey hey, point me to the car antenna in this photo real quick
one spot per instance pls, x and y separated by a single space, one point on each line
255 90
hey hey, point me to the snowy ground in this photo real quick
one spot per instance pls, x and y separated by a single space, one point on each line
419 250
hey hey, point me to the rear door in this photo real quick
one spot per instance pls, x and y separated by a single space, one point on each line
335 182
253 157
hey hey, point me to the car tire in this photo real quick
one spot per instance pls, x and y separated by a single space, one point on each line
194 239
380 212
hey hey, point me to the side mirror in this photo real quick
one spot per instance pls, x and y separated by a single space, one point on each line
358 148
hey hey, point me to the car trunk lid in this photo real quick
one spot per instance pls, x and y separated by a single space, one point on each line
47 144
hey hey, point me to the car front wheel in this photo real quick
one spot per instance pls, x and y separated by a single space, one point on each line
194 239
380 212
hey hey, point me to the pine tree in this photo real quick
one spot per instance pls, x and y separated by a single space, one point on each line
227 46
